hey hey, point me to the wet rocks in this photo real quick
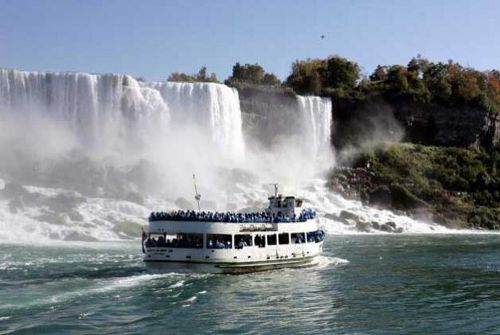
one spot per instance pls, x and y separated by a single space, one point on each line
363 226
349 218
389 227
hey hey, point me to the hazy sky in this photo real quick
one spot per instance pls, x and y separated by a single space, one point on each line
154 38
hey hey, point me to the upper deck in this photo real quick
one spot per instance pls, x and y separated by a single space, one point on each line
280 210
258 217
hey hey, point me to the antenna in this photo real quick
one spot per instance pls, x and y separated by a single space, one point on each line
197 196
275 188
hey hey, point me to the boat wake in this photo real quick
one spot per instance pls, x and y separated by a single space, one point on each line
325 262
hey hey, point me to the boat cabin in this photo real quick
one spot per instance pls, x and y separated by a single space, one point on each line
280 206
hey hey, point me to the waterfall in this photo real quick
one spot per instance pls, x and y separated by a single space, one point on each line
99 110
315 114
212 107
116 111
127 146
87 157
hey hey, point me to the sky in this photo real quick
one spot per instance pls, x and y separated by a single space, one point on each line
152 38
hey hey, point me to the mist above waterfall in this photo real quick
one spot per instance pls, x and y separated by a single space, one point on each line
110 136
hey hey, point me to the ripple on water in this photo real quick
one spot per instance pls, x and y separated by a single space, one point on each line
443 283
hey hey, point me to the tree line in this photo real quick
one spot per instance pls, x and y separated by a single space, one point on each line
422 80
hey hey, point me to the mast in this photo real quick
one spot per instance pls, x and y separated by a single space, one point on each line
275 189
197 196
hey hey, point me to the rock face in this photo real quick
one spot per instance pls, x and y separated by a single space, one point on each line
266 112
275 116
399 118
356 123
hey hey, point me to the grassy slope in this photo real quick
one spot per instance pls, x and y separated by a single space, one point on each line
457 186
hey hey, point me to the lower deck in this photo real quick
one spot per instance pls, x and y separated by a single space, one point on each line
229 247
233 260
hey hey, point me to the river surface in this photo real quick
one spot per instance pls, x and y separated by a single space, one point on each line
365 284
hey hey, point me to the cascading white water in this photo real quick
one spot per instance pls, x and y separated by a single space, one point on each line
177 128
316 124
212 107
111 111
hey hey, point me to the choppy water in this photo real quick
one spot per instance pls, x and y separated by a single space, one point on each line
370 284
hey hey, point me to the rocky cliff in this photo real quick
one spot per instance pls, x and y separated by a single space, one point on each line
358 122
274 116
266 112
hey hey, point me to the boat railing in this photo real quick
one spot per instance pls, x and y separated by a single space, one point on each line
262 217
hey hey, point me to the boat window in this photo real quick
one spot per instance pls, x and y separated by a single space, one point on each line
260 241
179 240
316 236
284 238
241 241
219 241
298 238
310 236
185 240
271 239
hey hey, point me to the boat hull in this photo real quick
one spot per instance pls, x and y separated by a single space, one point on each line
165 266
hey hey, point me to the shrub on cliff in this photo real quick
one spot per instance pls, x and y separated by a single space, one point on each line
449 84
201 76
316 76
251 74
483 217
451 183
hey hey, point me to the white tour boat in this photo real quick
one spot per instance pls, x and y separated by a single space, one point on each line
283 235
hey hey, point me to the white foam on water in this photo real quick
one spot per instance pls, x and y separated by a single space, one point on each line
98 286
107 286
131 281
325 262
192 299
178 284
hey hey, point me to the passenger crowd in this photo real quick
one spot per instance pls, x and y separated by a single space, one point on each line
263 217
316 236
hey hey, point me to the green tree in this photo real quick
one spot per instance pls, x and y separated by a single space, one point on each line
251 74
396 78
379 74
307 76
201 76
271 80
341 73
180 77
436 79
